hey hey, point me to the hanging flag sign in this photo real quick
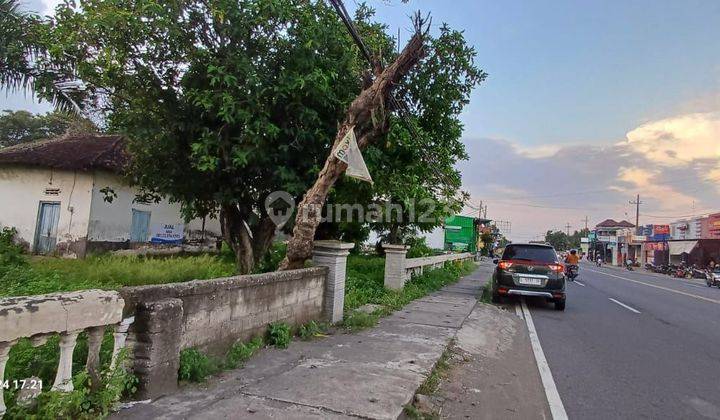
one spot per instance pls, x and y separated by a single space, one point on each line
349 152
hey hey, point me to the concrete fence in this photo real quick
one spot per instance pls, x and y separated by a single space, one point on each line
159 321
67 314
399 269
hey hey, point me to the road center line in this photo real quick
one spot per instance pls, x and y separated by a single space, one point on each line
578 283
680 292
557 410
625 306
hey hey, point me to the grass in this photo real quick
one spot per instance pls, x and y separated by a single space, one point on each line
365 284
432 382
486 293
47 275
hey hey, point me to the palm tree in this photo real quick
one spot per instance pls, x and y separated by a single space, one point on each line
24 63
17 48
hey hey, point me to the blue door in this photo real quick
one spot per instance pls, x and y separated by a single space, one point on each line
140 226
46 227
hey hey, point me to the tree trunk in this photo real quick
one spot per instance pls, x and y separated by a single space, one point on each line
237 236
367 114
263 235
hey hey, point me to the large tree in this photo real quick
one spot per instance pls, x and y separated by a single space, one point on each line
18 127
435 78
224 102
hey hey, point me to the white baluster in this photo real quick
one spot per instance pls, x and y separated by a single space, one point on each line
120 336
4 355
95 336
63 379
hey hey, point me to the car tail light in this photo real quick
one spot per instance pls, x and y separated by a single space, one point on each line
558 268
504 264
502 290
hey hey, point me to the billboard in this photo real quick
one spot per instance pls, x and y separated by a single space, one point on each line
661 229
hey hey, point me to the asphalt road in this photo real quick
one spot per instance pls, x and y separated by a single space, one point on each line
658 356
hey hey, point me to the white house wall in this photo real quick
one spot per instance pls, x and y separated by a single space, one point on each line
23 188
111 221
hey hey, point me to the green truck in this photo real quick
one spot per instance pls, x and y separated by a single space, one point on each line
462 233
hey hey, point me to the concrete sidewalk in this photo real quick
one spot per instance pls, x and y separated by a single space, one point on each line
371 374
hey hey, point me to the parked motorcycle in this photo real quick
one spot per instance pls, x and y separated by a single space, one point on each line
699 273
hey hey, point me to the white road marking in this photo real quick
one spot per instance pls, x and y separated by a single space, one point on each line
680 292
557 410
578 283
625 306
518 311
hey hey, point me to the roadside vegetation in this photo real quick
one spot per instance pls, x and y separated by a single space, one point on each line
81 403
196 366
365 285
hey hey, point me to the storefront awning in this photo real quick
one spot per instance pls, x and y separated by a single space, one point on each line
678 248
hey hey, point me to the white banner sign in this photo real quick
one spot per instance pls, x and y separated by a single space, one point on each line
349 152
167 233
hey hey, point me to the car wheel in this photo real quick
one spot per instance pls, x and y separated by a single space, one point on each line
495 298
560 305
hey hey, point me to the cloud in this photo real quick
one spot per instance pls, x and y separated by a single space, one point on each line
673 163
679 140
646 180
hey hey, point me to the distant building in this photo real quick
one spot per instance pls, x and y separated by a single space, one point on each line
610 241
67 196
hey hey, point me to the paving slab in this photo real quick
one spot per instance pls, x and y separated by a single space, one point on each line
370 374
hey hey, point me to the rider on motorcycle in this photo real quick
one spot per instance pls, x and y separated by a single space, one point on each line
571 260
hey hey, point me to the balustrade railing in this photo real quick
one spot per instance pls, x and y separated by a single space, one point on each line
67 314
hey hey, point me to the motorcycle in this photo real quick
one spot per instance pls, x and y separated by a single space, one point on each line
713 278
598 262
699 273
571 271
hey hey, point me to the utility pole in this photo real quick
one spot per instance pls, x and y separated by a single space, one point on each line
567 228
637 203
485 212
480 210
586 220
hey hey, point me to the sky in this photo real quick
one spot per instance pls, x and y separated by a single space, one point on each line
587 104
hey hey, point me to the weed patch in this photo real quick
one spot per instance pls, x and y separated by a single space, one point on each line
279 335
431 383
486 293
241 352
357 320
312 329
195 366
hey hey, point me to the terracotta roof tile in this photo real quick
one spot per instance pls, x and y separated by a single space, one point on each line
78 152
